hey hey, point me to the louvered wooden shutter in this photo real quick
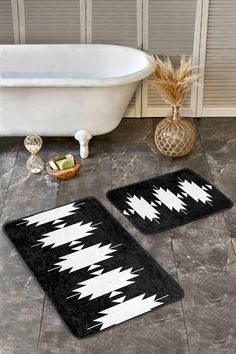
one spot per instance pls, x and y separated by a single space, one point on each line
6 23
219 85
51 21
169 29
117 22
114 22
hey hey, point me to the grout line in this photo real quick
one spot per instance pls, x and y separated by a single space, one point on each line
10 179
41 324
182 301
204 151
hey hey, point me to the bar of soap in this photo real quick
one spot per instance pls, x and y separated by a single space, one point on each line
64 164
53 166
71 158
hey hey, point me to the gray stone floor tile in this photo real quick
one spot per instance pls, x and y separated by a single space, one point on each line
93 179
200 255
197 163
204 245
223 171
234 244
210 310
55 337
133 135
218 136
8 152
101 145
133 168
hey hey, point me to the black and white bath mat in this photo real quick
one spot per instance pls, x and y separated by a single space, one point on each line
94 272
167 201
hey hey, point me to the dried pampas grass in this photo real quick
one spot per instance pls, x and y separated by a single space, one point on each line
172 84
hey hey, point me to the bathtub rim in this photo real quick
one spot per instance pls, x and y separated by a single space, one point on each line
139 75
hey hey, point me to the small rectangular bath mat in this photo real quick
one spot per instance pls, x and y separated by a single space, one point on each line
93 271
167 201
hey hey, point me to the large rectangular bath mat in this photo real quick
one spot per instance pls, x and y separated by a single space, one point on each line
93 271
167 201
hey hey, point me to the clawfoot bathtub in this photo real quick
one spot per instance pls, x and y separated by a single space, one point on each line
65 90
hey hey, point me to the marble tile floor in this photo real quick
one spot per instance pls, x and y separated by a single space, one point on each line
200 255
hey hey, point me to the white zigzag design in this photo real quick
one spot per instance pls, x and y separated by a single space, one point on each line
85 257
169 199
127 309
67 234
142 207
105 283
195 192
50 215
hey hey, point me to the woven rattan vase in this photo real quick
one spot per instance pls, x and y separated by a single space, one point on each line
175 136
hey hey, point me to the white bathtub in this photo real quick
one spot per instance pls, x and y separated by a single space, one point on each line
65 90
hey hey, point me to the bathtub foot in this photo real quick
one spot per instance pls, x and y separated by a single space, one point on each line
83 136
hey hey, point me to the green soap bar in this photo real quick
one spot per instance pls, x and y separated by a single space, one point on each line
66 164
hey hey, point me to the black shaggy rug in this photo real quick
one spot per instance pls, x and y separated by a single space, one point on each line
167 201
93 271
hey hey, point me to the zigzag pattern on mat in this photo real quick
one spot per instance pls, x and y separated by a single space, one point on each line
160 196
163 202
99 281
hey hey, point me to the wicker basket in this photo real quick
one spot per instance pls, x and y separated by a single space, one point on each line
65 174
